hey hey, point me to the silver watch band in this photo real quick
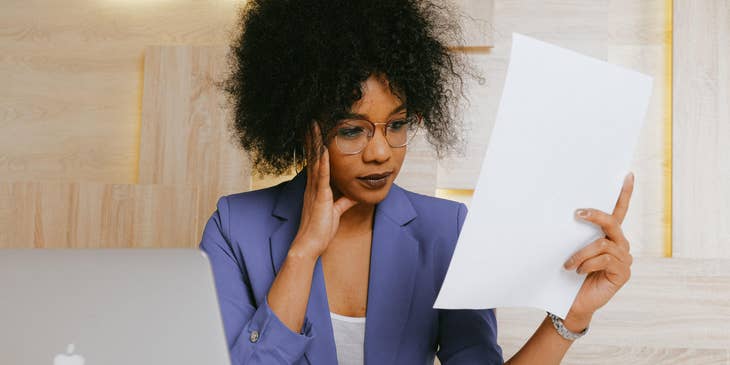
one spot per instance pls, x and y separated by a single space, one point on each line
563 331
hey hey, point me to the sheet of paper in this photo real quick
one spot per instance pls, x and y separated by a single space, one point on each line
564 138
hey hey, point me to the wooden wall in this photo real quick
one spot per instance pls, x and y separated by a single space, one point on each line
672 311
79 79
112 136
701 191
102 215
72 75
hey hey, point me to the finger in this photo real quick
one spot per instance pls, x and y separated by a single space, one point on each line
596 248
622 204
317 140
607 222
343 204
309 156
323 180
314 152
608 263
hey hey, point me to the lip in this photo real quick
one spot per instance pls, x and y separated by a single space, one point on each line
375 181
376 176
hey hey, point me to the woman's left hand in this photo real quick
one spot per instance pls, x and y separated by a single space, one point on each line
607 261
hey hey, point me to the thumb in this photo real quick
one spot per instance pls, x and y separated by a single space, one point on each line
343 204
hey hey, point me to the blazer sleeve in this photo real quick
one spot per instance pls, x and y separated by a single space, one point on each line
468 336
273 342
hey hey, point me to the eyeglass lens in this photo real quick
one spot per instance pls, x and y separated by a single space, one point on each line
352 135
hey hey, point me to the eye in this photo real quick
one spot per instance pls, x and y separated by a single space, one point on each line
397 125
350 132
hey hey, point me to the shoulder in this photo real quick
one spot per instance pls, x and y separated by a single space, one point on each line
437 212
246 209
241 203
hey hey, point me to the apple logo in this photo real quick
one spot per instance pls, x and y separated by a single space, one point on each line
69 358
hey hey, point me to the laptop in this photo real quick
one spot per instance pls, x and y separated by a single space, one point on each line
109 307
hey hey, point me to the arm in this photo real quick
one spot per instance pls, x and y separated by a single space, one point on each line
607 263
468 336
276 342
320 219
268 334
546 346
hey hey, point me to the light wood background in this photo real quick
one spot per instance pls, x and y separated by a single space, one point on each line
73 75
101 215
113 135
702 129
85 92
672 311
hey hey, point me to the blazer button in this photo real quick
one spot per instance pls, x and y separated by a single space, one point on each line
254 336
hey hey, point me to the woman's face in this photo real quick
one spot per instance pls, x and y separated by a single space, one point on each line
349 172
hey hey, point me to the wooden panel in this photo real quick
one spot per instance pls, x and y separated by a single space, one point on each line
97 215
73 77
701 128
588 354
477 113
185 137
639 39
72 81
418 172
672 311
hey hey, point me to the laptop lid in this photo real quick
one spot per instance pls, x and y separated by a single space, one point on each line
109 306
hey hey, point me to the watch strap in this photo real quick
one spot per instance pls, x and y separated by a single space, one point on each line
564 331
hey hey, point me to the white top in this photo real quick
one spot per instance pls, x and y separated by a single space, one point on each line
349 339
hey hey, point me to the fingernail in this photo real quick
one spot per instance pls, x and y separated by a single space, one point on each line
629 177
568 263
583 213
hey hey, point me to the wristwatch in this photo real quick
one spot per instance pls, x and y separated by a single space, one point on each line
563 331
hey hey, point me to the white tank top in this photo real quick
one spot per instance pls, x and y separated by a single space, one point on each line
349 339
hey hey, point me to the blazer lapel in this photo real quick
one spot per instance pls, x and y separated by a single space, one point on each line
289 209
393 264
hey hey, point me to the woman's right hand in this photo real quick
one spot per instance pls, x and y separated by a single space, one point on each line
320 213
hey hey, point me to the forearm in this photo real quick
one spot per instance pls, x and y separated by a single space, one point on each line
289 294
546 346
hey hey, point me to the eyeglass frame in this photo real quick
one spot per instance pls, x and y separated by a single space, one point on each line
332 133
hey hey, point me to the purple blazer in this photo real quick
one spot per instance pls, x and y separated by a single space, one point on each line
414 236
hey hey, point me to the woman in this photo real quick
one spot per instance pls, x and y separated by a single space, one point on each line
340 265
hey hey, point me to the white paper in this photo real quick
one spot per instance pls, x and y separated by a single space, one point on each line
564 138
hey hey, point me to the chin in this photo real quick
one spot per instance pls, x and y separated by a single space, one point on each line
371 197
364 195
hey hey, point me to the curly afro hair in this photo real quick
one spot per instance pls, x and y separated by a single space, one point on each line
293 61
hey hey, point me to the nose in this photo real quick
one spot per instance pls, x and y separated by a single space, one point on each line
377 150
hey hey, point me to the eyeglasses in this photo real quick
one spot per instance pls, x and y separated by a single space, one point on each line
352 135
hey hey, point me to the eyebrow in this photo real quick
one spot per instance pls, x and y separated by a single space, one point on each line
365 117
